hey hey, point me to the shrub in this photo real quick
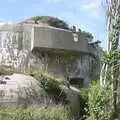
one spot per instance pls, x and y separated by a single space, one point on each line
51 86
83 103
50 113
52 21
98 102
88 36
95 103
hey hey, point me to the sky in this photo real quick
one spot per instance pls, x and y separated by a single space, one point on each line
88 15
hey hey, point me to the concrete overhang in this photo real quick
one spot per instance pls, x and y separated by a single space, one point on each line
55 38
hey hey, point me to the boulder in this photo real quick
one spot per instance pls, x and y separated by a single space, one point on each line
20 89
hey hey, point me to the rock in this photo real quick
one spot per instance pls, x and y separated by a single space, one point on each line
19 89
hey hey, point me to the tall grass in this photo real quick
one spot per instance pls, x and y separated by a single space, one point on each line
50 113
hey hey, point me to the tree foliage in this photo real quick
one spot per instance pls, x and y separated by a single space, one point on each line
52 21
111 59
98 98
88 35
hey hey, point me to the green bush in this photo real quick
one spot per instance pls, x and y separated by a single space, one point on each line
52 21
95 103
83 103
51 86
88 36
50 113
98 102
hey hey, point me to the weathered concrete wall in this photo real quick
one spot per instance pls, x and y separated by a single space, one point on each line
15 42
18 45
72 66
51 37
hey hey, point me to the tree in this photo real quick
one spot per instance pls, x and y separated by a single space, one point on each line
113 21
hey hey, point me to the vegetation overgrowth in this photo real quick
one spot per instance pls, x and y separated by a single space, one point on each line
50 113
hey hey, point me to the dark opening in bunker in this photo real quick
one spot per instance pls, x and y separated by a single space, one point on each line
76 81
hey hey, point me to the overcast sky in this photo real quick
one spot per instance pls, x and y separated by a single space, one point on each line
89 15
